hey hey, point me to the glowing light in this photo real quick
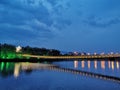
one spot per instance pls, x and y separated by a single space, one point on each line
75 53
102 53
88 53
95 53
111 53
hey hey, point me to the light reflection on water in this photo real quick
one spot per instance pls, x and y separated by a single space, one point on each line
105 67
58 75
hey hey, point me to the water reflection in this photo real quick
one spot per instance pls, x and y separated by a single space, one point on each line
103 64
11 68
58 75
6 69
88 64
109 65
117 64
96 66
104 67
83 63
112 65
75 64
16 70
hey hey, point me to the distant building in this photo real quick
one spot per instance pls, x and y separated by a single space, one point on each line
83 53
95 53
18 49
88 53
75 53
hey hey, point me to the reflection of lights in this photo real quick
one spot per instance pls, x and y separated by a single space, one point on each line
7 65
95 64
2 65
117 64
103 64
112 64
83 64
75 64
109 64
16 70
89 64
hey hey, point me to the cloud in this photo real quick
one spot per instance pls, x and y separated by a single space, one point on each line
30 19
102 22
100 13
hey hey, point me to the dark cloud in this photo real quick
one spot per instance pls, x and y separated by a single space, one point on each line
14 34
22 13
102 22
53 2
75 24
63 23
13 16
29 19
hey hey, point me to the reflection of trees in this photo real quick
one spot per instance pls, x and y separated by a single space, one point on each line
6 69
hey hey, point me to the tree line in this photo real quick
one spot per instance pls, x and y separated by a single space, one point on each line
9 51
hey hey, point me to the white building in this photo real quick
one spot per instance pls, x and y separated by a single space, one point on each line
18 49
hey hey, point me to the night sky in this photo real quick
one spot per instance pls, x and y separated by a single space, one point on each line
67 25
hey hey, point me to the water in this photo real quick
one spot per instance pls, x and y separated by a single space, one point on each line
58 75
104 67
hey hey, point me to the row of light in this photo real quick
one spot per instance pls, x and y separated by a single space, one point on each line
110 64
111 53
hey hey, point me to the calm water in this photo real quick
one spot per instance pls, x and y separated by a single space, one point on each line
37 76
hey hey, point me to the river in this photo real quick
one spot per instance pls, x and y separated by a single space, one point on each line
62 75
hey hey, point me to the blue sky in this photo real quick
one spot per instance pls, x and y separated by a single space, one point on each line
67 25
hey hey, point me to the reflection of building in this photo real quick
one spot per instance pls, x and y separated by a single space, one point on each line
16 70
29 66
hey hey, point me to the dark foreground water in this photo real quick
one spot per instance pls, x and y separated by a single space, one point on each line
37 76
